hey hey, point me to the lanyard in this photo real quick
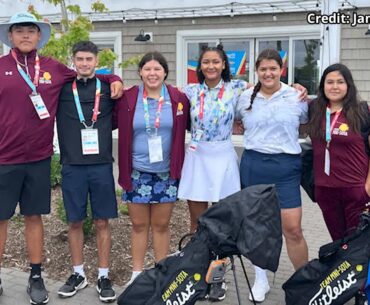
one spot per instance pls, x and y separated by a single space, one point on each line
96 104
330 127
157 122
33 84
219 101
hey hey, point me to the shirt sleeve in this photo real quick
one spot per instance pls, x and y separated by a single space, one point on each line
239 86
303 119
189 91
243 104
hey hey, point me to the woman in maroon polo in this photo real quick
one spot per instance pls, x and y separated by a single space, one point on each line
339 129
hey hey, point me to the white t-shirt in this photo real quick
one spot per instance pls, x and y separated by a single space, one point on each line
272 125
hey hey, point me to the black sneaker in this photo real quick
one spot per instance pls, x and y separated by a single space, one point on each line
37 291
217 292
1 288
105 290
74 283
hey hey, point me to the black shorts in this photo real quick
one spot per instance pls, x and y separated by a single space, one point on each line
28 184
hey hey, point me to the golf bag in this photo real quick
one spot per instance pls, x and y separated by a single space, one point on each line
178 279
246 223
338 274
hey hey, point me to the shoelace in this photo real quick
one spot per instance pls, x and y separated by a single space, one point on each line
73 279
105 283
37 282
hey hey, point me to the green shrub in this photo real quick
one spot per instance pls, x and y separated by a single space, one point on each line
88 222
123 208
56 171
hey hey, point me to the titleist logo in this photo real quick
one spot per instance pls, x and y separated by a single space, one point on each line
330 293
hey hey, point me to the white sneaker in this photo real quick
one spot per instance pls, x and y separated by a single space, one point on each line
259 290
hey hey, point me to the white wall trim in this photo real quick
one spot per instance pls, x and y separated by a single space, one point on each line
114 37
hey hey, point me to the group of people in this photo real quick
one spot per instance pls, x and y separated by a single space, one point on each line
155 167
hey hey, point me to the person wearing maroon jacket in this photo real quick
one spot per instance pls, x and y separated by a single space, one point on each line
339 129
29 90
152 119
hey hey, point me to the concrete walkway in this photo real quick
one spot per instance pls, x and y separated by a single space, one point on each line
15 281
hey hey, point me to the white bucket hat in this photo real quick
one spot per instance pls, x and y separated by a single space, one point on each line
24 17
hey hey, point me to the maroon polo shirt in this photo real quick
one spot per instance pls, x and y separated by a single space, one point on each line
23 136
348 160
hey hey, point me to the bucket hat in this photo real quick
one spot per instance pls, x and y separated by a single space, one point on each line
25 17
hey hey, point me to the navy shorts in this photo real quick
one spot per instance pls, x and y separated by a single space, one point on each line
283 170
94 182
28 184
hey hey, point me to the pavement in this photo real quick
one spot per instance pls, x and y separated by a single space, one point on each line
314 229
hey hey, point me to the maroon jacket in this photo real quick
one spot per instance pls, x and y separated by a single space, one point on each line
125 117
23 136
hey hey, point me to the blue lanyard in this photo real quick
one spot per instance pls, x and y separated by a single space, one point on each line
27 79
329 127
78 103
158 112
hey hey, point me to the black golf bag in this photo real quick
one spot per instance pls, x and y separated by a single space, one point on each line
338 274
223 231
178 279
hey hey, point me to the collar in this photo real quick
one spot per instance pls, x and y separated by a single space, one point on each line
21 57
85 80
283 88
218 86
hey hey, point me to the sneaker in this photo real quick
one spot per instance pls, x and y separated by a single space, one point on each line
217 291
37 291
105 290
259 290
1 288
74 283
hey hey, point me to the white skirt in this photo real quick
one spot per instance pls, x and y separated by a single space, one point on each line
210 173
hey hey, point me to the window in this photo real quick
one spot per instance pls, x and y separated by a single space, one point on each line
298 47
306 54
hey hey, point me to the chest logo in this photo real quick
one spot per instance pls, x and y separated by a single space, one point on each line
46 78
8 73
343 127
180 108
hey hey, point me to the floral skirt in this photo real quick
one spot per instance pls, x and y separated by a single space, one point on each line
151 188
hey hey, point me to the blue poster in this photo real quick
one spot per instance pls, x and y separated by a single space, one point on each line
237 60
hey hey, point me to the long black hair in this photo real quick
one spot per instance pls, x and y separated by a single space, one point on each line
269 54
352 111
225 75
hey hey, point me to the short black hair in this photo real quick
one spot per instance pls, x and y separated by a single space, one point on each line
157 57
24 24
85 46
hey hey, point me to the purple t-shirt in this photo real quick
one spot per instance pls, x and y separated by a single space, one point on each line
348 159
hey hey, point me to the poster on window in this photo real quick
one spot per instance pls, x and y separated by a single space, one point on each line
284 58
237 61
192 72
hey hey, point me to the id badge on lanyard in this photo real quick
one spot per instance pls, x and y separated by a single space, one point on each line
39 105
155 149
154 141
90 141
35 97
195 141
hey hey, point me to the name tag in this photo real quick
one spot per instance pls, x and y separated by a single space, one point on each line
155 149
195 141
40 107
90 141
